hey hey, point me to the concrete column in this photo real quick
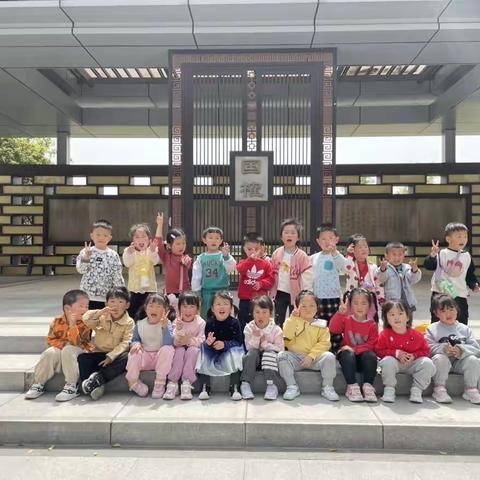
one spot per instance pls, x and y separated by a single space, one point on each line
63 148
448 145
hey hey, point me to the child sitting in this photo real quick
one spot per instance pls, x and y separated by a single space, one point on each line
222 351
454 349
113 329
263 341
67 338
188 336
140 258
151 348
403 349
355 322
308 342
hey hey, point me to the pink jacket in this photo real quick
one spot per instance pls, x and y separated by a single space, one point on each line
195 328
271 335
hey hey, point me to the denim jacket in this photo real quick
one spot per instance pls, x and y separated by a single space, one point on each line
392 283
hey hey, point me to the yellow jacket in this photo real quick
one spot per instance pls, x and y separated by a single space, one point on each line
302 337
111 337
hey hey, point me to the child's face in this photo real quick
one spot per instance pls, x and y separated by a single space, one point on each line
361 251
397 319
448 315
140 239
101 237
360 306
457 240
221 308
395 256
212 241
155 311
77 309
179 245
251 248
289 236
188 312
261 316
307 307
117 307
327 240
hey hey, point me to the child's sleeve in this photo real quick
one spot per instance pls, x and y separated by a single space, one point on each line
267 281
339 261
471 279
136 335
124 343
82 264
323 344
251 340
369 345
435 347
199 338
430 263
382 276
162 252
382 348
307 275
229 263
52 339
128 258
423 348
244 265
167 334
278 344
117 272
471 346
337 323
90 320
413 277
77 336
237 339
196 276
289 328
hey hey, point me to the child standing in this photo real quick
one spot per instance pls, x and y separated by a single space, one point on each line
355 322
188 335
211 268
326 268
308 342
454 270
152 347
113 329
67 338
403 349
291 268
222 351
99 265
140 258
263 341
256 276
397 277
454 349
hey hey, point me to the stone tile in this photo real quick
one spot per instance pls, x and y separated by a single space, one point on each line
6 397
13 370
266 469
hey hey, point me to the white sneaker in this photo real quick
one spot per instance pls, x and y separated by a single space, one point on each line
329 393
246 391
271 393
171 391
416 395
186 390
236 395
440 394
204 394
35 391
69 392
472 395
389 395
98 392
291 393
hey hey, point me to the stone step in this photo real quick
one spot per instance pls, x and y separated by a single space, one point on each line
309 422
23 338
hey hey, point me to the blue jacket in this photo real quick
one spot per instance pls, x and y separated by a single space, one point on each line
392 281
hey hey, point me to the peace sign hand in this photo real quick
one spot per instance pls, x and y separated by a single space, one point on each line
413 265
383 264
88 250
435 248
226 249
343 307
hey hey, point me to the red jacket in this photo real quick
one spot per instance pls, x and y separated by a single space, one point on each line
411 341
361 336
251 271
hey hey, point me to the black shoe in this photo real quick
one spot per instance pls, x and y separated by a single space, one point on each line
95 380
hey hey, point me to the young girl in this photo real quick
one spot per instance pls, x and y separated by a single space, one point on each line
290 266
263 341
151 348
188 336
222 351
454 349
175 263
308 342
140 258
403 349
355 322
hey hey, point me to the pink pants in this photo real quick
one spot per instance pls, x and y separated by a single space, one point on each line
184 363
160 361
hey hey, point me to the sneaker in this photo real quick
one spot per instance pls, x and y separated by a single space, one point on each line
139 388
272 391
35 391
330 394
389 395
246 391
95 380
69 392
416 395
98 392
353 393
369 393
472 395
204 395
291 393
158 389
440 394
186 390
171 391
235 395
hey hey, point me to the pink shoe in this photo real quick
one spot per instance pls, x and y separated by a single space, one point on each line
369 393
158 390
139 388
172 390
353 393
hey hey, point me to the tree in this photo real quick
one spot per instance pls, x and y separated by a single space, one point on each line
26 151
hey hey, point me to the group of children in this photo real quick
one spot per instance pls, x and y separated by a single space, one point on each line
191 332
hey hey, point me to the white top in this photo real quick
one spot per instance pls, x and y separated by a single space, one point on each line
284 272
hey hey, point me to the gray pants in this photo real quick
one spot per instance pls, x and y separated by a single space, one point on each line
253 359
469 366
422 370
289 363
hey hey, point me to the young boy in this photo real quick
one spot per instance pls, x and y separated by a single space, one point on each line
100 266
398 277
67 338
113 329
211 268
454 270
326 268
256 276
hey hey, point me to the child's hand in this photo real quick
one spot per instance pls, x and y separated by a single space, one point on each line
256 286
383 265
403 357
159 219
295 312
210 339
153 246
456 352
104 312
105 362
226 249
413 265
435 248
343 307
351 249
72 319
257 332
88 250
164 321
219 345
346 347
186 260
136 348
476 288
307 362
131 249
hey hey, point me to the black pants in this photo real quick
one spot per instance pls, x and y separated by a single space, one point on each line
282 303
95 305
244 313
88 364
136 310
203 379
462 305
365 363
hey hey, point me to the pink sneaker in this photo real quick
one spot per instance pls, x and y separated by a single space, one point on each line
171 392
369 393
158 389
353 393
139 388
472 395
